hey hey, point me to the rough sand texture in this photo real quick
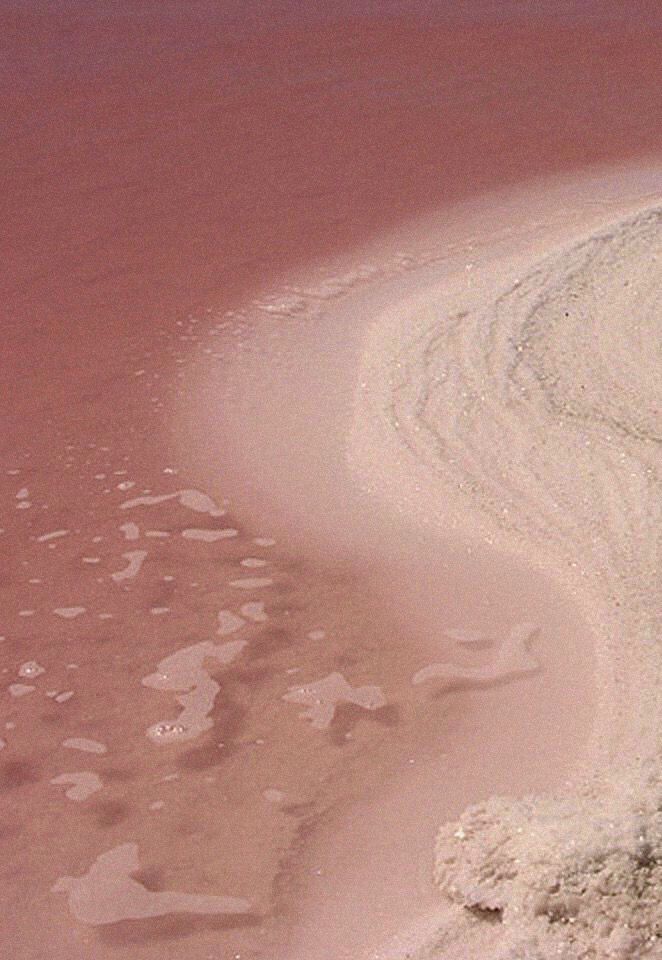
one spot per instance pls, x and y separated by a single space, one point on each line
537 406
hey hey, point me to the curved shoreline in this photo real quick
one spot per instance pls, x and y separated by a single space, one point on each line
491 393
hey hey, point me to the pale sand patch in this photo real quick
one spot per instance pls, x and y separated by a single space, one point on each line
528 403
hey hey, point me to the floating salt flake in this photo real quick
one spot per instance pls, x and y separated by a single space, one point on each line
82 784
209 536
26 613
3 744
55 535
157 534
64 696
316 634
254 610
107 893
126 484
253 562
251 583
159 611
30 669
20 689
91 559
131 531
512 660
184 670
23 494
323 697
135 560
157 805
229 622
23 505
69 613
265 541
193 499
87 746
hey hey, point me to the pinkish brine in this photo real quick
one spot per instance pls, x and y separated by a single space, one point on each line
331 474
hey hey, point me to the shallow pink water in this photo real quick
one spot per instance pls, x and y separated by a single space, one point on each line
162 169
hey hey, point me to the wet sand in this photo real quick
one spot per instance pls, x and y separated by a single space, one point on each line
221 643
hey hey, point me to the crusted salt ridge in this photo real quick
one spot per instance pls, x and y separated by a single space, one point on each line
542 412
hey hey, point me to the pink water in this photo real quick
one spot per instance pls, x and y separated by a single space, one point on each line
163 167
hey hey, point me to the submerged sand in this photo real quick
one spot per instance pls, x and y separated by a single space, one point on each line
522 404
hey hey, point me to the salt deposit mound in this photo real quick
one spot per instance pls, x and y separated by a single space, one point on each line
533 411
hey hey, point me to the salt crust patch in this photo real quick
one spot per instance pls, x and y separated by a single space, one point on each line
184 670
209 536
84 744
135 560
574 876
192 499
69 613
323 697
251 583
30 669
254 610
107 893
512 660
80 785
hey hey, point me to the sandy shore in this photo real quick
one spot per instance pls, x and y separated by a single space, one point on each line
523 404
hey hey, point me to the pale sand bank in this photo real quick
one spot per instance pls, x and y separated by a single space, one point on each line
522 403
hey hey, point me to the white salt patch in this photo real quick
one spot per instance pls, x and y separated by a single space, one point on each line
126 485
64 696
158 611
23 505
157 805
135 559
264 541
209 536
3 744
23 494
82 785
108 894
157 534
26 613
229 622
131 531
30 669
20 689
56 534
91 559
512 659
274 796
69 612
254 610
193 499
322 698
253 562
82 743
184 670
316 634
105 616
251 583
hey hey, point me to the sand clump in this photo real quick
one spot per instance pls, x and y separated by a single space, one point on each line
529 405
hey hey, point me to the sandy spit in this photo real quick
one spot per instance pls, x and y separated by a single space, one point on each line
527 400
